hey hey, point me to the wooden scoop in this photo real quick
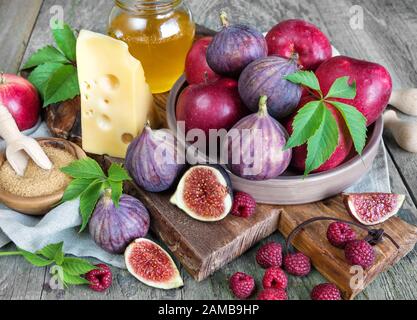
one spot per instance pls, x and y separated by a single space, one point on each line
405 100
20 147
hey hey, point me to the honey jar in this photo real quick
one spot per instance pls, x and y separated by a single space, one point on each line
159 34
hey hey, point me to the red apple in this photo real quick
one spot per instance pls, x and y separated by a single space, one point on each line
196 68
20 97
299 154
213 105
302 38
374 84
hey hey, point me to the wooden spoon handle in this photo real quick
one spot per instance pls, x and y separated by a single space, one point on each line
404 132
405 100
8 127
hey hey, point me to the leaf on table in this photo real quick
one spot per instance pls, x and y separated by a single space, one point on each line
50 250
342 89
77 267
118 174
40 76
74 279
88 202
66 41
48 54
34 259
86 168
61 86
322 145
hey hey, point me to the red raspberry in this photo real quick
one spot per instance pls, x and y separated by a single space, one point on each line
273 294
297 264
275 278
242 285
244 205
100 279
339 234
326 291
360 253
270 255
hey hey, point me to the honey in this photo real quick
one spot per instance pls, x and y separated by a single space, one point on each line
159 34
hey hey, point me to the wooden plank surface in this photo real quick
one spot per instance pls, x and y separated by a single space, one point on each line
388 36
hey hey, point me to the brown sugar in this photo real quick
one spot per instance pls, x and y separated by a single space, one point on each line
37 182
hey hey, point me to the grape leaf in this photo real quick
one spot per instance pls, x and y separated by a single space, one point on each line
88 201
66 41
322 145
84 169
61 86
342 89
76 188
117 173
356 123
74 280
306 123
305 78
40 76
76 266
48 54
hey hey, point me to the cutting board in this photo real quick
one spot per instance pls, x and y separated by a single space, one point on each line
203 248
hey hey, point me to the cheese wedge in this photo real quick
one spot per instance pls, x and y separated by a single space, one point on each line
115 99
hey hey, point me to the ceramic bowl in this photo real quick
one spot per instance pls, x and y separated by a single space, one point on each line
38 206
292 189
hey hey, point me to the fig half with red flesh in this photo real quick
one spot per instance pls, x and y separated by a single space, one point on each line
205 193
373 208
152 265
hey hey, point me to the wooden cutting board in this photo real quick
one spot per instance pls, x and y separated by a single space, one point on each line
203 248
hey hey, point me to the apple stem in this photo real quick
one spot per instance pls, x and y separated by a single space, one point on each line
224 19
263 107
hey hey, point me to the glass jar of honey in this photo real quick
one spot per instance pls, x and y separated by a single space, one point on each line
159 34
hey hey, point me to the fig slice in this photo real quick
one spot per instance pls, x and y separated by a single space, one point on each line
205 193
152 265
373 208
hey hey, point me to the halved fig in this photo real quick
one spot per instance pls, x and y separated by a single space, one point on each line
373 208
152 265
205 193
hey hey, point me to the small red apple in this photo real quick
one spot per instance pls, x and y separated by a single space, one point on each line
213 105
342 152
20 97
374 84
302 38
196 68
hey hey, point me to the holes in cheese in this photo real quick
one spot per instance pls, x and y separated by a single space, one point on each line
104 122
89 113
127 138
109 82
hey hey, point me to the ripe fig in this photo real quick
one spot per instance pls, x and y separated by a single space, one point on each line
373 208
205 193
152 265
234 48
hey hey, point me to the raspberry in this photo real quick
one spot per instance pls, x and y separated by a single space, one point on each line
326 291
242 285
100 279
297 264
270 255
275 278
339 234
243 205
360 253
273 294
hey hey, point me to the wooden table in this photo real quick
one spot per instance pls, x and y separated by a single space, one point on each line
388 36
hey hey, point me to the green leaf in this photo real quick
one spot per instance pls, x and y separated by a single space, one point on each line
61 86
84 169
66 41
40 76
76 188
342 89
34 259
306 123
305 78
322 145
116 191
59 255
51 250
118 174
76 266
88 201
74 280
356 122
47 54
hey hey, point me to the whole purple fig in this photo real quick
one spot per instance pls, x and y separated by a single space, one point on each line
256 146
234 47
152 160
267 77
114 228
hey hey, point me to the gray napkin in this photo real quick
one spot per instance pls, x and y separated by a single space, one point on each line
62 223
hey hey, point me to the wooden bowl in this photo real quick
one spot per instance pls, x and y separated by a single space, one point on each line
38 206
292 189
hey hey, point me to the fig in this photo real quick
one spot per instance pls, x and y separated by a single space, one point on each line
266 77
114 228
152 160
152 265
205 193
234 47
255 146
373 208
